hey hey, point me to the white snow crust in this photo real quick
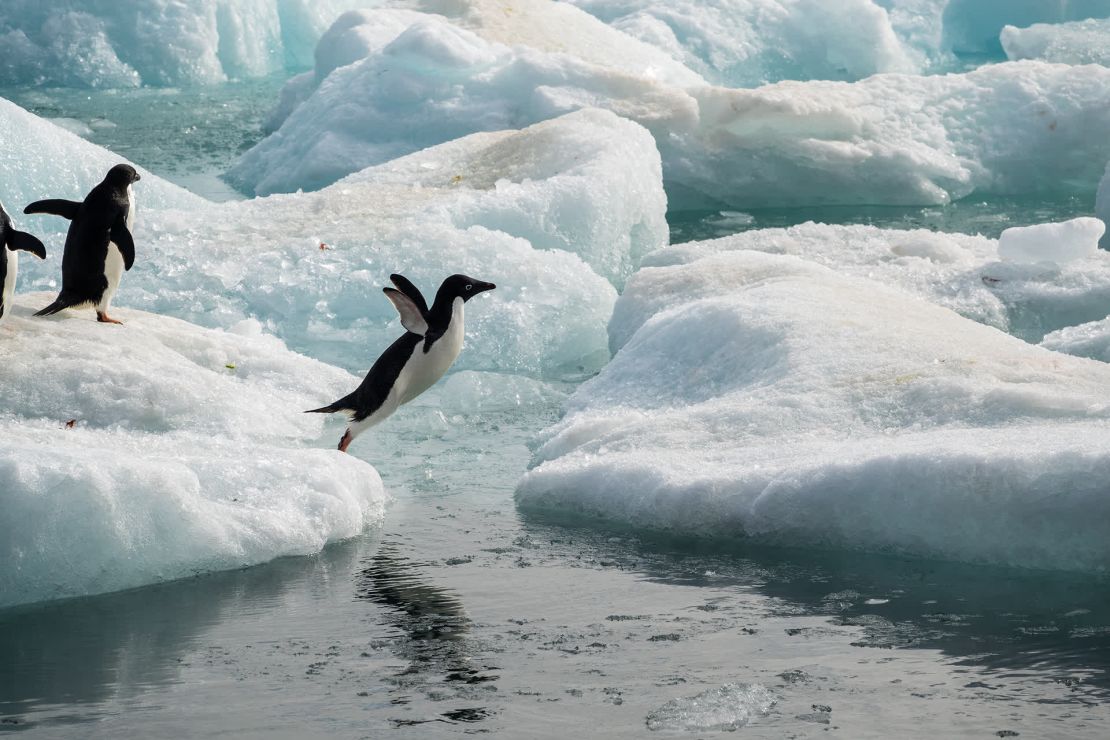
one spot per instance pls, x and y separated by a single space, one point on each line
775 399
127 43
189 452
1079 42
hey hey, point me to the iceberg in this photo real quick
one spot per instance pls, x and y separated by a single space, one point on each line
1079 42
974 27
775 399
893 139
1033 281
556 215
127 43
159 450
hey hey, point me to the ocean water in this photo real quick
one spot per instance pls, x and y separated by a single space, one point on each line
463 615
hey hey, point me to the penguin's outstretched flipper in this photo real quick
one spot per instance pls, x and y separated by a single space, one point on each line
56 207
63 302
410 303
26 242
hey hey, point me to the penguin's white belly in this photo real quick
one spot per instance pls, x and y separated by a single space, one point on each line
425 368
113 271
9 281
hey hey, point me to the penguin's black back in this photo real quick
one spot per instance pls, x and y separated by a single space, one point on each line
86 248
375 387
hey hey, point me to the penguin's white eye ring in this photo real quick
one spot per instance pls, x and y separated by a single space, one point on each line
468 287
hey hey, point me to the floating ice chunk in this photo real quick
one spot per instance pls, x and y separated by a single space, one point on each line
1080 42
1060 243
743 43
1021 127
1086 340
1102 204
775 399
542 212
159 42
974 26
158 450
958 271
727 708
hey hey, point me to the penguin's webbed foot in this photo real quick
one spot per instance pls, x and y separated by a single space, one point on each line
104 318
345 442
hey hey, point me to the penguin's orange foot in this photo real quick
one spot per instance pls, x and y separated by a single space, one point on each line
345 442
104 318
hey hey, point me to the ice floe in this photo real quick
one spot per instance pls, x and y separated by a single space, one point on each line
158 449
1079 42
770 397
1037 280
126 43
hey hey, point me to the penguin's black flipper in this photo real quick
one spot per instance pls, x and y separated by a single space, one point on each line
57 207
405 286
26 242
126 243
63 302
411 316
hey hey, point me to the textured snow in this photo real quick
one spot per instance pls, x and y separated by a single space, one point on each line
1068 285
555 215
744 43
726 708
779 400
1016 128
125 43
188 452
1079 42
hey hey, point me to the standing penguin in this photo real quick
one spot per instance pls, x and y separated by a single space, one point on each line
10 241
99 246
413 363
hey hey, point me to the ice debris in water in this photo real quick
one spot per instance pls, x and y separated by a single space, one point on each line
1079 42
726 708
127 43
160 450
886 139
1060 242
975 26
767 397
557 214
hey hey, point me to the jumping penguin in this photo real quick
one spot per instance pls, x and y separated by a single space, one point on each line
11 241
99 245
413 363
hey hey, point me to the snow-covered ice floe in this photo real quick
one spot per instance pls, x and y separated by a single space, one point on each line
1079 42
1013 128
556 215
1032 281
769 397
126 43
158 449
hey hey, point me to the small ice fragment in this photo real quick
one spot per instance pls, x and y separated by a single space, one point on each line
1058 242
727 708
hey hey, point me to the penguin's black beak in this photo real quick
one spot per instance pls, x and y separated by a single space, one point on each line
137 177
480 287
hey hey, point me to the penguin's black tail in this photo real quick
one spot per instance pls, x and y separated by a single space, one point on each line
63 302
330 409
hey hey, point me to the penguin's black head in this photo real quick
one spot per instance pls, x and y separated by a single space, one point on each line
462 286
121 176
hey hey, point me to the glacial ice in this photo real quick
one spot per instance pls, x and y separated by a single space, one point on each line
770 397
125 43
745 43
1079 42
551 214
726 708
974 26
1067 283
188 452
1013 128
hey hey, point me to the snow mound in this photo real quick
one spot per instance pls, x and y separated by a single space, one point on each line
724 709
961 272
544 213
126 43
746 43
1060 243
1015 128
1080 42
775 406
158 449
1085 340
